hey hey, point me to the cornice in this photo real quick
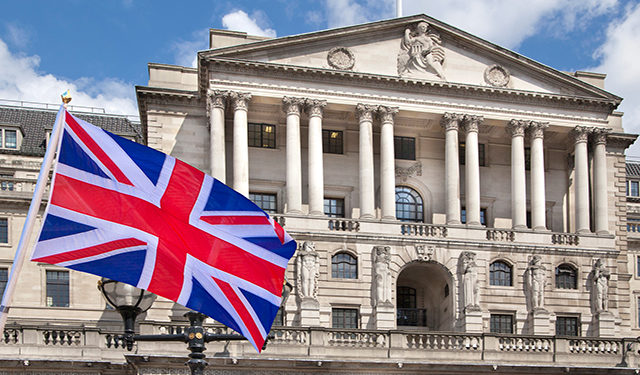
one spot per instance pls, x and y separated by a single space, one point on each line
368 80
621 140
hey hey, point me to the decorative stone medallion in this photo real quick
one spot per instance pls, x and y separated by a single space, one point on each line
341 58
497 76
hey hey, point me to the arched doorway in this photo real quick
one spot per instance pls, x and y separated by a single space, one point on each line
424 297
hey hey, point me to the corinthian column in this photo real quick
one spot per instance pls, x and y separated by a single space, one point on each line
538 197
292 107
581 135
600 180
240 104
387 163
216 101
472 169
316 177
518 187
451 122
367 202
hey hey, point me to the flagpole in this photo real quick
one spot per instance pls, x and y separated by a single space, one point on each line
22 251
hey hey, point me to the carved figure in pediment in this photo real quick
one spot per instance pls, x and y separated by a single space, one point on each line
421 52
308 269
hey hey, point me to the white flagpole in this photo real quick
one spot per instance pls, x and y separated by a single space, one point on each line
22 252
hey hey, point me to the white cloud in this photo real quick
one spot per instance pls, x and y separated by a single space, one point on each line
17 35
619 60
186 51
241 21
21 80
349 12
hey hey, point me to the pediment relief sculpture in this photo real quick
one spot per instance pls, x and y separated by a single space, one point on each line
341 58
421 54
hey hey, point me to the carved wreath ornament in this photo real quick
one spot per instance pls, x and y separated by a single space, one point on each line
341 58
497 76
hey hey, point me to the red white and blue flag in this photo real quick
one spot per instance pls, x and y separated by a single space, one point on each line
124 211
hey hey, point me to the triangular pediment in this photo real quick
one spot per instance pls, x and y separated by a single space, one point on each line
404 48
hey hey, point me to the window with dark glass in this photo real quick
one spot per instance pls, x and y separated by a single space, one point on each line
8 139
481 154
334 207
638 265
408 204
266 202
633 188
501 323
262 135
332 141
483 216
500 274
407 312
4 230
57 288
344 318
405 148
344 266
4 277
566 277
527 158
567 326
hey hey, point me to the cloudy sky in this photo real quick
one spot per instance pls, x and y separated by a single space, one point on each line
100 49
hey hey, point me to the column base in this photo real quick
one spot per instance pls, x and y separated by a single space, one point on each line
583 231
520 227
367 216
541 229
390 218
385 316
602 233
293 212
540 322
606 324
474 225
316 213
309 312
453 222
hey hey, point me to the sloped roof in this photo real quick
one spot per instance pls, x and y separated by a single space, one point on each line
35 122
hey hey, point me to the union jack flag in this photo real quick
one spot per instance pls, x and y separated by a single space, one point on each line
124 211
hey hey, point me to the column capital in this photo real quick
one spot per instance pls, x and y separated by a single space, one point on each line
472 122
365 112
292 106
239 100
600 135
387 114
315 107
537 128
216 99
580 134
451 121
516 127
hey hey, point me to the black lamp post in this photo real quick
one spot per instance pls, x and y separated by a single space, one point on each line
130 301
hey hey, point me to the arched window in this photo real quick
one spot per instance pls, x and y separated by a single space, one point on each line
500 273
566 277
408 204
344 266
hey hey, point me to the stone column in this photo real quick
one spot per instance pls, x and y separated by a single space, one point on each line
216 101
581 178
316 177
538 196
387 163
240 104
600 180
518 187
472 169
451 122
367 193
292 107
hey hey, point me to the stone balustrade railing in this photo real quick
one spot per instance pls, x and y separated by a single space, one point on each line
501 235
11 186
565 239
344 225
424 230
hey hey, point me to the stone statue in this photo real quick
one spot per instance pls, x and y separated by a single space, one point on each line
470 280
600 293
382 275
308 267
421 52
536 280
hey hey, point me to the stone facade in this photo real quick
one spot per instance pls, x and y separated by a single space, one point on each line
454 203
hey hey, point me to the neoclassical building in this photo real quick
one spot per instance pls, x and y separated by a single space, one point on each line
459 208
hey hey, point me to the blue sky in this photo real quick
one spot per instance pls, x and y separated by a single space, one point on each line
100 48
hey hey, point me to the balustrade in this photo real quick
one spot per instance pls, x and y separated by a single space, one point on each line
525 344
345 225
565 239
435 341
62 337
501 235
425 230
594 346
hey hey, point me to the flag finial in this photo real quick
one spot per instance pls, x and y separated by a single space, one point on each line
66 97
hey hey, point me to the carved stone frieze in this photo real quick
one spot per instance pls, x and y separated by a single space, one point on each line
292 106
497 76
239 100
387 114
425 253
537 128
405 173
451 121
421 53
472 122
315 107
516 128
341 58
365 112
580 134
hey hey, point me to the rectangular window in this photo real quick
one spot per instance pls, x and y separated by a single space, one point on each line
262 135
4 230
10 139
483 216
344 318
633 224
332 141
4 277
501 323
58 288
632 189
481 154
638 265
567 326
266 202
334 207
405 148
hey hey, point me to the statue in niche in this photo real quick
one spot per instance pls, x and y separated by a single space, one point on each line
470 281
536 280
382 275
308 267
600 279
421 52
